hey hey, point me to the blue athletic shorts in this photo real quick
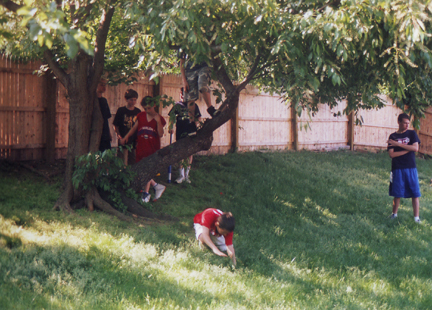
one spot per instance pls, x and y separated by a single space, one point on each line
404 183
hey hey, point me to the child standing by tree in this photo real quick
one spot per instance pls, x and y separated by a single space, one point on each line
124 120
149 127
404 183
186 124
215 229
105 142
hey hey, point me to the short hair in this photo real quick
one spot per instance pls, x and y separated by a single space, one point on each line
130 93
403 116
226 221
148 100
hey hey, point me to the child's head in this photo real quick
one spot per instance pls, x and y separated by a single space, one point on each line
403 116
130 93
404 122
101 88
148 105
225 223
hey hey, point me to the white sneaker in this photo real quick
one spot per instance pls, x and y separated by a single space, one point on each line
180 179
187 180
145 197
417 221
159 189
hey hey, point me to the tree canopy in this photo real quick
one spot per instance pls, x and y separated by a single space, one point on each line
308 51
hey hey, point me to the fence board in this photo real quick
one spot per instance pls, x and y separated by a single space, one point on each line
264 121
377 126
324 130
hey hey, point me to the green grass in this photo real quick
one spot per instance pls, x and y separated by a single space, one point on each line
311 233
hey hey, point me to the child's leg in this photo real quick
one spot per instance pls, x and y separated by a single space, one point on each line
416 206
150 183
188 169
396 203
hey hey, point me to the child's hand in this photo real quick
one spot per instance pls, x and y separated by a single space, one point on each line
219 253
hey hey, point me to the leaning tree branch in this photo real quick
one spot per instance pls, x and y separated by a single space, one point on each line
58 71
221 74
101 38
171 154
252 72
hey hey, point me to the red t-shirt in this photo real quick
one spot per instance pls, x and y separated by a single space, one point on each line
208 219
148 140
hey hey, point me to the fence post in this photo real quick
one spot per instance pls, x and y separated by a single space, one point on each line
235 130
351 126
51 104
294 128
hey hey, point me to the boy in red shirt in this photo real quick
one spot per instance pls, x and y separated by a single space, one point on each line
150 129
215 229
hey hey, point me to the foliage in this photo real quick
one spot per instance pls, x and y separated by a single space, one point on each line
71 28
310 51
106 171
311 233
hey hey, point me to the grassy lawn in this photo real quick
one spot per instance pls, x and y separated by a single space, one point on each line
312 232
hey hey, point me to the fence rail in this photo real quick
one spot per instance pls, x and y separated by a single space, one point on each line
34 119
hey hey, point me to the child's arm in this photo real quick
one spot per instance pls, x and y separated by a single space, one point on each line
160 129
231 253
130 133
205 238
116 130
411 148
394 154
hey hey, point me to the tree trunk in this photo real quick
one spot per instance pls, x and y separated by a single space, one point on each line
81 107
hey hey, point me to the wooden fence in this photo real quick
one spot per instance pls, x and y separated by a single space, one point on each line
34 119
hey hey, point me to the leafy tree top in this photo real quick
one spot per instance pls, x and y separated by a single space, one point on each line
308 51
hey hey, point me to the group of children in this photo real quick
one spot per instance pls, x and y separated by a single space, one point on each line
142 132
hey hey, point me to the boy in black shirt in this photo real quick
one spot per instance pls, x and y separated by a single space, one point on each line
124 120
404 183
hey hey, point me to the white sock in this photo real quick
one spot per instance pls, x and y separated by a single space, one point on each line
181 172
416 218
395 214
187 172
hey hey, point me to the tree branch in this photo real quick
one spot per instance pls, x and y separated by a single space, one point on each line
101 38
55 67
252 72
221 74
10 5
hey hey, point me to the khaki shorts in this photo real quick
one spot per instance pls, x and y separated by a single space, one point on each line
218 241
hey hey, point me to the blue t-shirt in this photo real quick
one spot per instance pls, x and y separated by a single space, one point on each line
409 137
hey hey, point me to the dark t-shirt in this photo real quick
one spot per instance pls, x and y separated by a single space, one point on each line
124 121
106 114
409 137
183 124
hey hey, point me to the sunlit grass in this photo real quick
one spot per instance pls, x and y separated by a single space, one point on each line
312 233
